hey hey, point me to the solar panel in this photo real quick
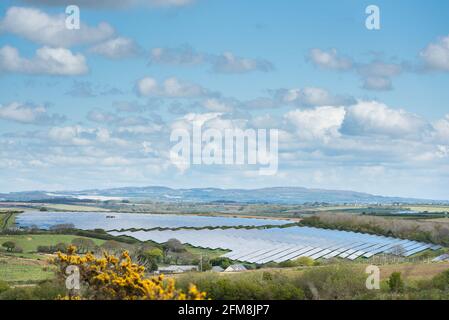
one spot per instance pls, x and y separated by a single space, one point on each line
282 244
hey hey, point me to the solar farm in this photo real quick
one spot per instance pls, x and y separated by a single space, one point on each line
261 246
124 221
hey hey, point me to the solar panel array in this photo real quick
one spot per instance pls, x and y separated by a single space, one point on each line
100 220
283 244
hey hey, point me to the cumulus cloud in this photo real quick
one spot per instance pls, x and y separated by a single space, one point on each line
169 88
218 105
436 55
329 59
42 28
227 62
29 114
53 61
321 123
117 48
375 75
375 118
183 55
441 128
311 97
77 135
113 3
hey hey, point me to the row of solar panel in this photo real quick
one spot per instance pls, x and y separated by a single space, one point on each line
282 244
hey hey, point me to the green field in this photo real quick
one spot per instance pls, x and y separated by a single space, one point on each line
206 252
18 270
29 266
7 220
30 242
430 208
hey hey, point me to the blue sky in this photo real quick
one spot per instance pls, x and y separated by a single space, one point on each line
368 113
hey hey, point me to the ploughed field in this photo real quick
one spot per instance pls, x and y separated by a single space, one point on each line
256 245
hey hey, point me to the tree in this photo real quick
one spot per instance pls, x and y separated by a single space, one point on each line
155 254
9 245
395 282
150 258
111 246
174 245
84 244
221 261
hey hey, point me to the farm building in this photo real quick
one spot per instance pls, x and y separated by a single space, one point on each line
177 269
235 268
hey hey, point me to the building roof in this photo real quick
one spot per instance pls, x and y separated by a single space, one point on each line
217 269
443 257
235 267
175 268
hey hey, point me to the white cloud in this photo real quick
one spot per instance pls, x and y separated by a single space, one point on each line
322 123
310 97
375 118
218 105
441 128
436 55
329 59
53 61
81 136
184 55
170 88
28 114
42 28
117 48
229 63
375 75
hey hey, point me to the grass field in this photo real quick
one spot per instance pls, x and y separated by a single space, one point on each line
29 243
20 270
7 220
29 266
414 271
206 252
429 208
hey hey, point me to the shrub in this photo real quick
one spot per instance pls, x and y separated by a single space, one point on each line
245 286
9 245
118 278
221 261
441 281
395 282
3 286
20 293
337 282
17 249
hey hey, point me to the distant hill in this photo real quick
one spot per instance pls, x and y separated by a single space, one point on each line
277 195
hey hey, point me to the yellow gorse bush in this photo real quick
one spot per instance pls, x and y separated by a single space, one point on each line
112 277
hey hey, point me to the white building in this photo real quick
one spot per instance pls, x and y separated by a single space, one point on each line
235 268
177 269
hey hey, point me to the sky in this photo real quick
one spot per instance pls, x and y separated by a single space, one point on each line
355 108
